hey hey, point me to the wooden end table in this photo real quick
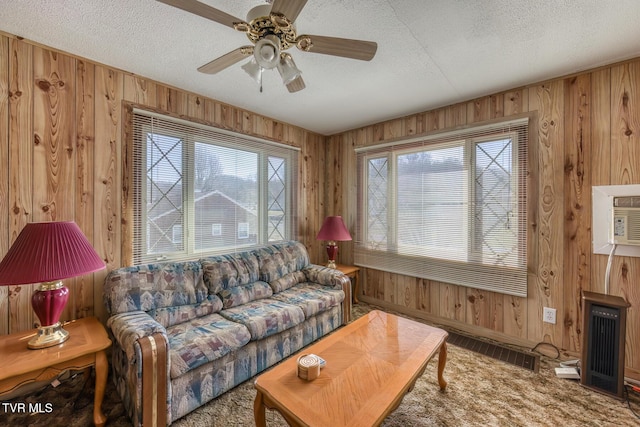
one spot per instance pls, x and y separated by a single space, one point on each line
371 364
353 273
85 348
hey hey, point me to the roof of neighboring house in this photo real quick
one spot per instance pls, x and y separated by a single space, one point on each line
206 196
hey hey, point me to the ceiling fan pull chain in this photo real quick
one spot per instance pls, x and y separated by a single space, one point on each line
261 79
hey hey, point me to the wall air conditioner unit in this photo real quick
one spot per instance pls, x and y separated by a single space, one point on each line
626 220
605 236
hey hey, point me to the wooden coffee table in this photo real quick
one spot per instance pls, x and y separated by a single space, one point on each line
371 364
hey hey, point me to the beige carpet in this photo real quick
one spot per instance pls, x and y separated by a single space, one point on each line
481 391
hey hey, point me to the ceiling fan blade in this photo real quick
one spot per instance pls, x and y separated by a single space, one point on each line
205 11
226 60
296 84
289 8
348 48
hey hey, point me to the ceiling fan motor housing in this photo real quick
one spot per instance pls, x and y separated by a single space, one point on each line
261 23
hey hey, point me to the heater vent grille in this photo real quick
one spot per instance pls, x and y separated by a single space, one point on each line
603 352
518 358
603 337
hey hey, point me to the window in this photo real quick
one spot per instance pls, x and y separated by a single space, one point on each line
200 190
243 230
449 207
177 234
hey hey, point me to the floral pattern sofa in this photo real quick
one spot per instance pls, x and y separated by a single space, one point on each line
186 332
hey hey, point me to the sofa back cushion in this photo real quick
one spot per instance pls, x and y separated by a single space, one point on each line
223 272
154 286
279 260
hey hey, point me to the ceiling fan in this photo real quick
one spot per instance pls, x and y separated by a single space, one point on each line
271 30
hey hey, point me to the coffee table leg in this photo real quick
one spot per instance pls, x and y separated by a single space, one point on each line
102 368
259 410
442 361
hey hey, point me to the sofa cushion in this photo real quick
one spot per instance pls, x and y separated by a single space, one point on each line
238 295
272 266
281 259
311 297
287 281
152 286
169 316
227 271
203 340
265 317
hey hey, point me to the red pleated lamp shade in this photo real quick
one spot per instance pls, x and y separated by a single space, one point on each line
47 252
333 228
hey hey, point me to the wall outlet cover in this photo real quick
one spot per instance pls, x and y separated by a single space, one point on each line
549 315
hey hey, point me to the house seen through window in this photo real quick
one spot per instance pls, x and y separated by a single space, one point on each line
205 191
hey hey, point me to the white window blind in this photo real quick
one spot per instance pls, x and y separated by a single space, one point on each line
449 207
199 190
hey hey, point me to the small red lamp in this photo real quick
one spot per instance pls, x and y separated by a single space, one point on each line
46 253
332 230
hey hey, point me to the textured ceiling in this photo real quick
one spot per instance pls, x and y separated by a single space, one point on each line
430 52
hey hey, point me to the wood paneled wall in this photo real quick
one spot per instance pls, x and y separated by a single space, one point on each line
586 131
61 127
61 144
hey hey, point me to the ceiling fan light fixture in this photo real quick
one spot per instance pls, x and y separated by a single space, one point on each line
254 70
287 69
267 52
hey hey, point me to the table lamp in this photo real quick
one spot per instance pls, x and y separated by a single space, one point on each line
46 253
332 230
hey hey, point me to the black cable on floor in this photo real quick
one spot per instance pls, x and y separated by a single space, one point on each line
535 348
626 392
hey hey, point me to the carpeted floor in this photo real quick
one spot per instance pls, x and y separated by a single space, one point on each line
481 391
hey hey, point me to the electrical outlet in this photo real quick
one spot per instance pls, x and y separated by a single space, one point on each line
549 315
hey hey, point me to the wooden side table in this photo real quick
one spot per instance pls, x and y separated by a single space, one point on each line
85 348
353 273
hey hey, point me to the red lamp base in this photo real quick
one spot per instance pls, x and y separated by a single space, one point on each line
332 254
48 301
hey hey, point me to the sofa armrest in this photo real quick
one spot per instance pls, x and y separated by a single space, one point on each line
335 278
127 328
325 276
144 344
